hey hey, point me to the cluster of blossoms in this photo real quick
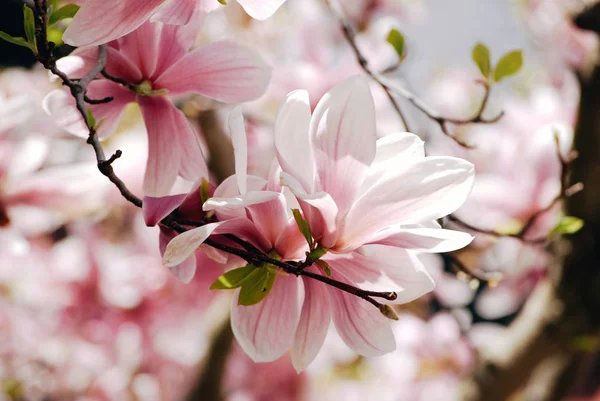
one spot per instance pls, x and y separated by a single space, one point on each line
332 217
369 205
87 310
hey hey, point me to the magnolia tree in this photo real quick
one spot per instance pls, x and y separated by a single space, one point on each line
263 200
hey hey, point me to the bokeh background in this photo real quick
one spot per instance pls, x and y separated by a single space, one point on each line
87 312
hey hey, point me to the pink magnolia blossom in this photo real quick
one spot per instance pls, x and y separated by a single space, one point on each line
391 201
101 21
355 189
155 58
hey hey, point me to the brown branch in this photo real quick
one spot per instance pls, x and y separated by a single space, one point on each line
78 91
567 307
565 191
486 277
393 90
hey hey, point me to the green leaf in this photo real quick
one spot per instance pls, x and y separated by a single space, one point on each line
234 278
567 225
29 24
97 126
396 39
318 252
481 57
257 287
90 119
14 40
303 226
54 35
62 13
508 65
323 266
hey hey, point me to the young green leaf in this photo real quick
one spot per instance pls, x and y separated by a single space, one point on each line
323 266
62 13
14 40
29 24
257 287
508 65
318 252
396 39
481 57
567 225
234 278
303 226
91 120
99 124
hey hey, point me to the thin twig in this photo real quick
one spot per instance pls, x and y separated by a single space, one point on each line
391 89
78 90
564 192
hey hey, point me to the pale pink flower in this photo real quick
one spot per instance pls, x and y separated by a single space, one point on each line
155 58
398 199
100 21
355 189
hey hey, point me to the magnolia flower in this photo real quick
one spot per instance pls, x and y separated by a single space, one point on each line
155 58
355 189
378 213
100 21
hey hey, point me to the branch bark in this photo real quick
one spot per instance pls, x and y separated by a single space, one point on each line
567 307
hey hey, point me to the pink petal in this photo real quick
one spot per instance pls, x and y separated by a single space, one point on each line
224 71
237 131
261 9
422 191
291 139
60 105
314 323
362 327
184 270
156 209
82 60
184 245
266 330
192 163
433 240
174 43
290 243
343 138
386 268
392 151
270 217
228 203
141 47
78 63
237 202
176 12
100 21
319 210
171 144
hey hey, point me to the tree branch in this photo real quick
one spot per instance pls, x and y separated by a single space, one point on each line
78 90
391 89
